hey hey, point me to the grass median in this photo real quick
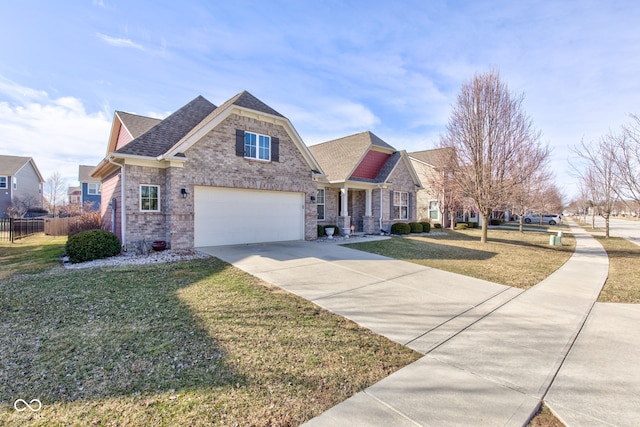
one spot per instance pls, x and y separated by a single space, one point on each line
187 343
509 258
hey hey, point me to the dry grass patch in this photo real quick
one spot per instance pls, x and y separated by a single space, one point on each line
30 255
623 282
189 343
510 257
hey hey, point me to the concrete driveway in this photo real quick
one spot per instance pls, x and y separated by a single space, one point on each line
397 299
492 352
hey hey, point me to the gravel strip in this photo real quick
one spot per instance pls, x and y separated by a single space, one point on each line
152 258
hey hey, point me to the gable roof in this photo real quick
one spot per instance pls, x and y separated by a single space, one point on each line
136 125
340 158
11 165
437 157
164 135
84 174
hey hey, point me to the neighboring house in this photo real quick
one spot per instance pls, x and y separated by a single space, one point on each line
207 175
369 184
89 188
21 185
75 196
429 165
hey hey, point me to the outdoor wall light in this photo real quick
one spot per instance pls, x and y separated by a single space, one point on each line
184 193
313 198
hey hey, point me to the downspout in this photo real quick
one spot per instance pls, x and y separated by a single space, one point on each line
380 220
123 222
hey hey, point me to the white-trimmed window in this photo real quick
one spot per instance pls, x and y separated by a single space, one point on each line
320 203
400 205
4 183
15 182
433 209
150 198
93 189
257 146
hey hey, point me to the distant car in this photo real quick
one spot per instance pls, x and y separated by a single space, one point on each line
551 219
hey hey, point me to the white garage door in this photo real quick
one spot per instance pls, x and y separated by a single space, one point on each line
226 216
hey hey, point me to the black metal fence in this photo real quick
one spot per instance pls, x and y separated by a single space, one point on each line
12 229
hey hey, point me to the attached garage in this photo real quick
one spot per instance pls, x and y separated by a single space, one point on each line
230 216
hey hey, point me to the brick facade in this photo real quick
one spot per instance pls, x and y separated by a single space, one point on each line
212 161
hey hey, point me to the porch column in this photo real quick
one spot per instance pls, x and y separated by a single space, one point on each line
367 209
344 220
344 198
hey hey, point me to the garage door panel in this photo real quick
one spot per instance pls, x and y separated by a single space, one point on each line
225 216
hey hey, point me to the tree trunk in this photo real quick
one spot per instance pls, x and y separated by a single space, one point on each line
521 224
606 226
485 223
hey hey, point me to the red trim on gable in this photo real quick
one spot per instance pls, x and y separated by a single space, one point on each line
371 164
123 138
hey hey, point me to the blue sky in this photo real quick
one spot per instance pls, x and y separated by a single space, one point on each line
334 68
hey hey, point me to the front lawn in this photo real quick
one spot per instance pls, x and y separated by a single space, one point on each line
30 255
189 343
623 282
509 258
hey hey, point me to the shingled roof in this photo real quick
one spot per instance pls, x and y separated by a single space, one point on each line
339 158
136 125
166 133
437 157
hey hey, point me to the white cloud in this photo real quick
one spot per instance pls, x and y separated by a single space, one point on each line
58 133
120 42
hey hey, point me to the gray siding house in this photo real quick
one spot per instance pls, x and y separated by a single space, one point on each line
21 186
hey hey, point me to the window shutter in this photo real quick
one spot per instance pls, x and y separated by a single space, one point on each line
391 215
239 142
409 203
275 149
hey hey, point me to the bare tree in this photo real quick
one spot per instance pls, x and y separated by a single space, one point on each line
628 160
490 133
55 191
600 175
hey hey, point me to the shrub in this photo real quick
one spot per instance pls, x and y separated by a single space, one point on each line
495 222
400 228
426 227
472 224
320 230
92 244
437 225
85 222
416 227
462 226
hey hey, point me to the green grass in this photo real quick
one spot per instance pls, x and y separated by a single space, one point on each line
30 255
510 257
188 343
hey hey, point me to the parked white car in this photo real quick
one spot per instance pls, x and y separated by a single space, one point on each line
551 219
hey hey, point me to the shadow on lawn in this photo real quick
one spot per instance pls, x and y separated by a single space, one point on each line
106 333
419 248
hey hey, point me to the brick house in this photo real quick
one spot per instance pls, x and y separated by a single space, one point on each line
369 184
208 175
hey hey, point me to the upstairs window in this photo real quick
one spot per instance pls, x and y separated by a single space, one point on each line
320 203
150 198
93 189
400 205
257 146
3 182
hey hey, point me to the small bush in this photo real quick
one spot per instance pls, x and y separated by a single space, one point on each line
495 222
426 227
400 228
462 226
320 230
416 227
437 225
92 244
472 224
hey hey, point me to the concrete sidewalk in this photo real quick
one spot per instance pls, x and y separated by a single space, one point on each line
491 351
